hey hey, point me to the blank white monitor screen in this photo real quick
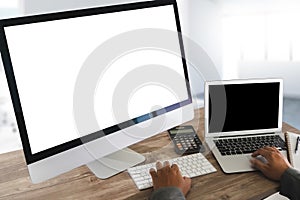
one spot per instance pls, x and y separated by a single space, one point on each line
47 58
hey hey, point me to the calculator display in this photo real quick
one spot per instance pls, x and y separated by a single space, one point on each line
180 131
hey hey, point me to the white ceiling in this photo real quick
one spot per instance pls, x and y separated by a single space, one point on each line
249 6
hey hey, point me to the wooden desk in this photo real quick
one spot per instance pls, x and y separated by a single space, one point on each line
80 183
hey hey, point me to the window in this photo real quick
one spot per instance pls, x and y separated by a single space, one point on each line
263 36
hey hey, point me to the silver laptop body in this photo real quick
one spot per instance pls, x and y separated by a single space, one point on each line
241 111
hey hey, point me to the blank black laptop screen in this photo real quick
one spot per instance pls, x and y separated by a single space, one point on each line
239 107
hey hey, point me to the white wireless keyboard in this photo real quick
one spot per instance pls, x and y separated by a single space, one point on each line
190 165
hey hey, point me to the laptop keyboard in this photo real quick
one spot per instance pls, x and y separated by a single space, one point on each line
246 145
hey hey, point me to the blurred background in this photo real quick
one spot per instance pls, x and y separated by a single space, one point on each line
243 38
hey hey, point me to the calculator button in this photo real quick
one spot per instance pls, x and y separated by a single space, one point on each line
179 147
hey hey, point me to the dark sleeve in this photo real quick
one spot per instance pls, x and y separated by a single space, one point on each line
290 184
167 193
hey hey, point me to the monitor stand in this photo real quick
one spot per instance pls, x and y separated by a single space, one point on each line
115 163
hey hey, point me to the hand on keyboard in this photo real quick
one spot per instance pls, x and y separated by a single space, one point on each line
169 176
192 165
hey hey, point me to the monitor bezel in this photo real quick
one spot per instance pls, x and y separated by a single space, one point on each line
241 81
32 158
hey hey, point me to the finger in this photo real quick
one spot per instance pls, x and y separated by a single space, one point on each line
152 170
175 168
154 177
273 149
166 163
255 153
158 165
259 151
263 152
187 179
153 173
187 185
259 164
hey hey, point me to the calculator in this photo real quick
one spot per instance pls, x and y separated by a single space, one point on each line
186 140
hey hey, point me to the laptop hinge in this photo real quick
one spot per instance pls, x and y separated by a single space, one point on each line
245 135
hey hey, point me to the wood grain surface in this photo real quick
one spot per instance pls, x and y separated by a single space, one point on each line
80 183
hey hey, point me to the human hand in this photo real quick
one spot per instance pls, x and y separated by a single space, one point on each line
169 176
276 163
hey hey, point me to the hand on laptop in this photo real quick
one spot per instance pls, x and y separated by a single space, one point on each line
276 163
169 176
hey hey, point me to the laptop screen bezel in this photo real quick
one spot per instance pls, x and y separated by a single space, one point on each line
243 132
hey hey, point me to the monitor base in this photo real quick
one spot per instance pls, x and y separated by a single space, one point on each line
115 163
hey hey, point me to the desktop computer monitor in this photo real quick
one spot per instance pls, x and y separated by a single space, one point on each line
86 84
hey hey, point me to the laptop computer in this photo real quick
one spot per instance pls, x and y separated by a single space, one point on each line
240 117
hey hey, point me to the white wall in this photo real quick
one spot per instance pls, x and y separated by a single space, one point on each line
44 6
284 63
204 28
288 71
9 8
249 6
